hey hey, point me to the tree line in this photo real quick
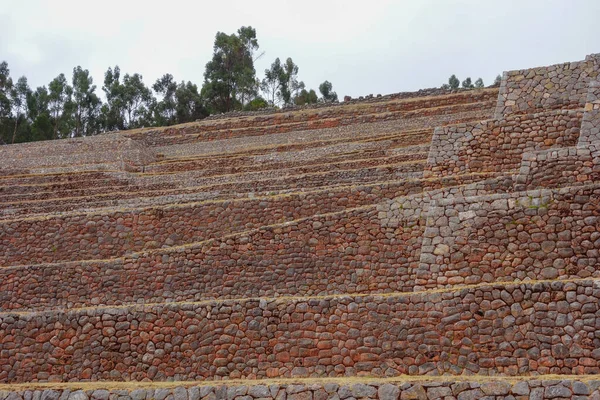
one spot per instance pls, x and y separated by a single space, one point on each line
454 83
73 107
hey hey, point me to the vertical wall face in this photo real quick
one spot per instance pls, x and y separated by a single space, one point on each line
590 126
528 235
351 272
498 145
555 86
105 152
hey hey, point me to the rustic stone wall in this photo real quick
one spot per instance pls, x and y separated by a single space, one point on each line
80 154
475 101
366 249
464 389
315 253
498 145
513 329
557 86
566 166
540 234
590 127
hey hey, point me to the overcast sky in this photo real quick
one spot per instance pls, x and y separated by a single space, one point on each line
362 47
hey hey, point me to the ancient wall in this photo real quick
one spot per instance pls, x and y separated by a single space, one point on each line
590 126
152 253
498 145
493 329
80 154
389 389
557 167
468 101
561 86
541 234
314 253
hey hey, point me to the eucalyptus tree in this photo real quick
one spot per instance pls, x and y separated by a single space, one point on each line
60 105
326 89
166 108
18 100
230 77
86 104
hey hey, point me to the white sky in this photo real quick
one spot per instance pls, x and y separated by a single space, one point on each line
362 47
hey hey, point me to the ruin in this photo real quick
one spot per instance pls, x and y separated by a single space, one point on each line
428 245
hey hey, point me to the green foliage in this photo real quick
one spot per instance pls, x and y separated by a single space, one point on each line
165 109
137 101
128 104
306 97
467 84
271 83
85 102
60 106
256 104
288 82
453 82
479 83
18 100
5 88
189 105
112 118
72 108
39 115
326 89
230 77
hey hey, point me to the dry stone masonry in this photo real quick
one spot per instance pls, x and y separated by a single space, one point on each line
428 245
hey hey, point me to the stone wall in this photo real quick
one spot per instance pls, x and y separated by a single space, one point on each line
362 100
313 254
590 126
512 329
89 153
566 166
253 253
207 130
463 389
540 234
557 86
498 145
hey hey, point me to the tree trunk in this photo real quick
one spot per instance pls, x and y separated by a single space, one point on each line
55 125
78 125
15 131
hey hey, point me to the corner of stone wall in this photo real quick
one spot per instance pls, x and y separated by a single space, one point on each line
590 125
502 93
437 139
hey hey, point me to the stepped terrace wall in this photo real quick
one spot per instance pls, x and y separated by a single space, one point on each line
557 86
383 389
567 166
303 156
97 152
540 234
362 254
498 145
343 115
513 329
590 127
310 175
300 140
